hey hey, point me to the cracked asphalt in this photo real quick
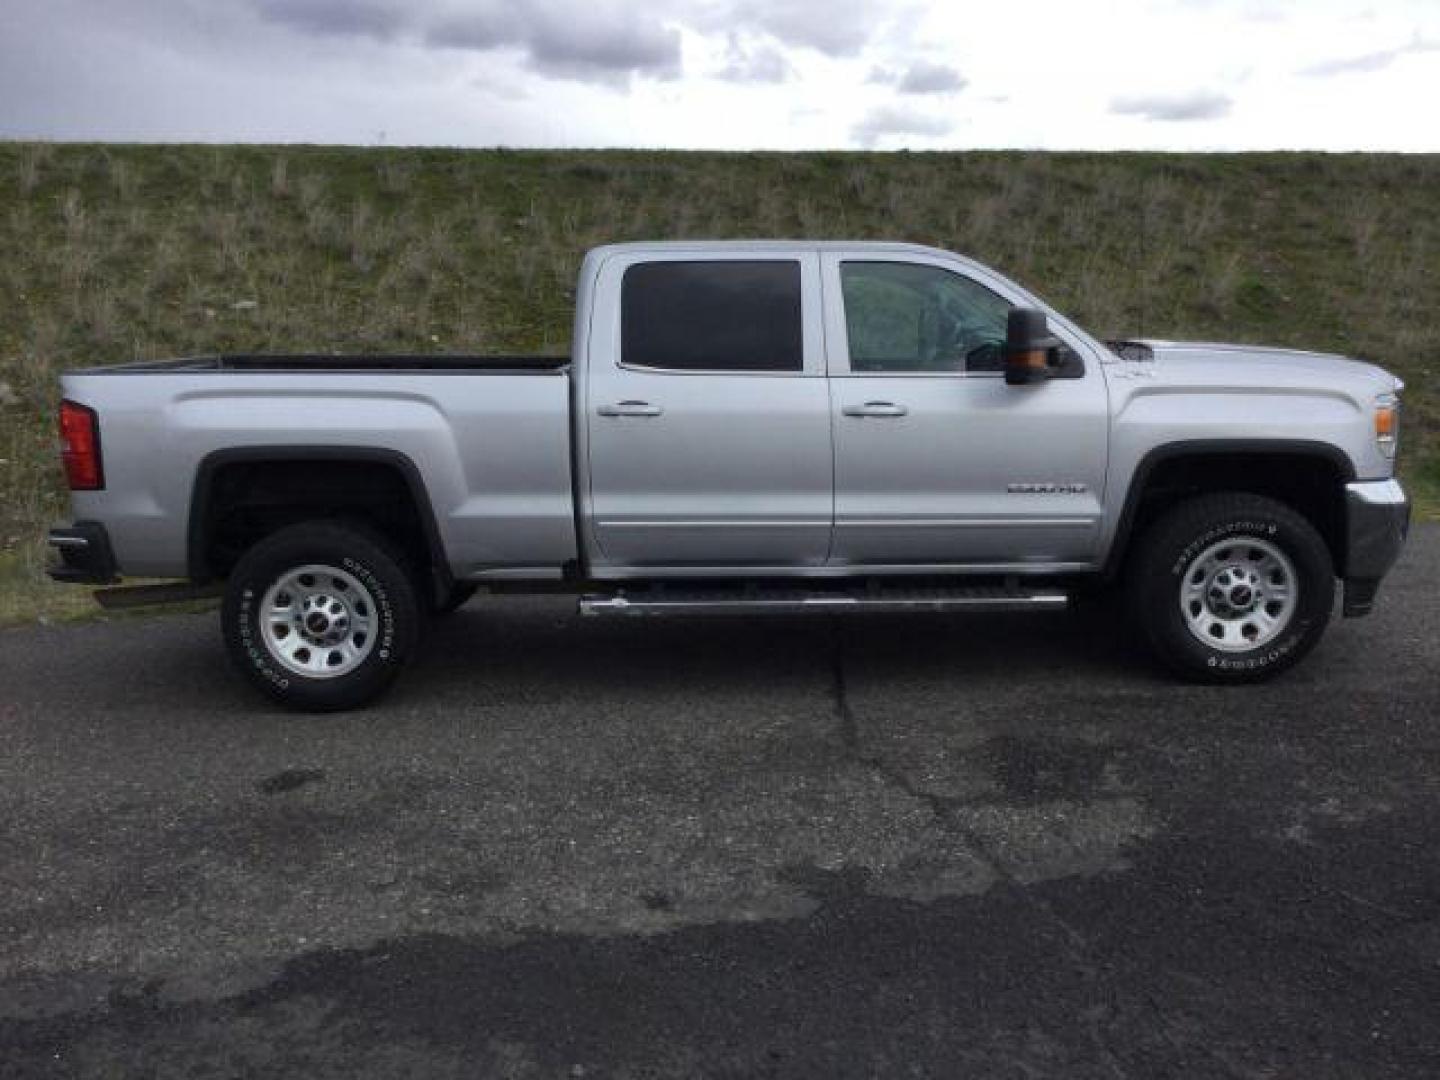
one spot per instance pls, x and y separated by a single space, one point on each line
925 846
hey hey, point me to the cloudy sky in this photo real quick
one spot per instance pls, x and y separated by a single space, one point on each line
728 74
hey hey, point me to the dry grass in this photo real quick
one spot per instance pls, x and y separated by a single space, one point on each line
119 252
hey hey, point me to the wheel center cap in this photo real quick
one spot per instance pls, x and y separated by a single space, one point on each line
317 623
1241 595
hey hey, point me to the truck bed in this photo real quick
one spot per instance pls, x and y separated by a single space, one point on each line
487 438
283 363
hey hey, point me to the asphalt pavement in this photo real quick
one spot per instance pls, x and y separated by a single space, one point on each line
929 846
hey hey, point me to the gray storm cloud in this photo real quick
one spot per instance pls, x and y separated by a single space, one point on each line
836 28
607 43
1200 105
921 77
898 120
1373 61
927 78
755 63
342 18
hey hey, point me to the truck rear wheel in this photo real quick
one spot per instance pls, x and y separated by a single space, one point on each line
321 615
1232 588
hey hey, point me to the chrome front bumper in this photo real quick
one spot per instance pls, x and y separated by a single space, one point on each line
1377 519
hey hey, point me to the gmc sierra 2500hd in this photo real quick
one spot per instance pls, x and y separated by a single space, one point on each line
747 427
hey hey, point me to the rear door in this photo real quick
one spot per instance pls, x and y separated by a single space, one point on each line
707 412
938 461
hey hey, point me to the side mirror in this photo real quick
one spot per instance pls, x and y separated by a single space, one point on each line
1031 351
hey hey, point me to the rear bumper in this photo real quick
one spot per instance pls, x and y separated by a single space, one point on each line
1377 519
83 554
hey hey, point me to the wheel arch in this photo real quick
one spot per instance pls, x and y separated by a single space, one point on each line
1307 475
412 521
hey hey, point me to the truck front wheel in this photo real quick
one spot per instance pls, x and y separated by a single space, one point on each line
321 615
1232 588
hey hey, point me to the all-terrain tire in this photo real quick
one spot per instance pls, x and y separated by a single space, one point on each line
1231 588
322 615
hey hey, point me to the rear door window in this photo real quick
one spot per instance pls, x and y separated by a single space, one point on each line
720 315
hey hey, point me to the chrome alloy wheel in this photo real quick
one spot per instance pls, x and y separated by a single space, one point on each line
1239 594
318 621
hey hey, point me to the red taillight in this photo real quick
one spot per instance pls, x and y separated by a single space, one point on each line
80 447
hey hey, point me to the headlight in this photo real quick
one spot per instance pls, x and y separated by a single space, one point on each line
1387 423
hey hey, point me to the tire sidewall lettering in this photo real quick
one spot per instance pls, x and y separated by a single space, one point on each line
1272 655
385 647
252 645
1269 530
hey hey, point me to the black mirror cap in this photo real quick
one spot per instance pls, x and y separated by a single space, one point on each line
1030 347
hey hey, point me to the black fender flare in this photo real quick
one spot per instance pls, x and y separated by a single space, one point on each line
197 567
1198 448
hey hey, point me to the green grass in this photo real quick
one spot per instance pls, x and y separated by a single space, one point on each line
113 253
26 594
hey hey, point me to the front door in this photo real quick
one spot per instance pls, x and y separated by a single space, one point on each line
938 461
707 413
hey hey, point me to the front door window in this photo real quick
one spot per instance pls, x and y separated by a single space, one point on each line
912 318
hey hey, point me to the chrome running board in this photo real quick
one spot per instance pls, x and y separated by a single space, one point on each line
661 601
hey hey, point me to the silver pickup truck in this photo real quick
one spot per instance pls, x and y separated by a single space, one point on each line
747 427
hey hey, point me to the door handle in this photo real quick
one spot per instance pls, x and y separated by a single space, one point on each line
876 408
630 408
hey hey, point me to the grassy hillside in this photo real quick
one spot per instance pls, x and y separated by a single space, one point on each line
117 252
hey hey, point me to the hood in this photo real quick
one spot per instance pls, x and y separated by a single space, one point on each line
1169 391
1209 363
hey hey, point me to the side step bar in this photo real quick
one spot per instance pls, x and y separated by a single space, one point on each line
126 597
792 602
